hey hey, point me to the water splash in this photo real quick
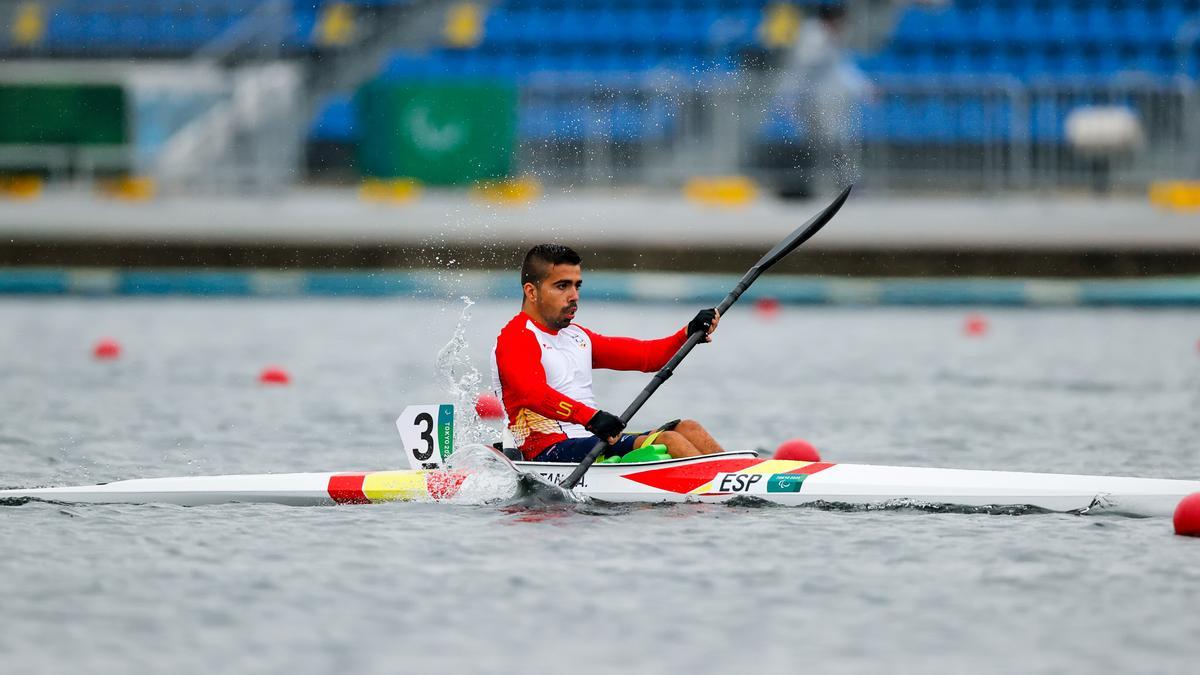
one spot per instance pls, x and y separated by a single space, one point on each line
491 478
461 380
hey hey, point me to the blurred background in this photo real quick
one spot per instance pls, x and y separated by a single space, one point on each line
1047 138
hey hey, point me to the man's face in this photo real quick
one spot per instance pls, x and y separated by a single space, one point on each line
556 298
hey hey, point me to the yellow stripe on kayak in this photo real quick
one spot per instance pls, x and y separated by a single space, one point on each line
390 486
766 466
774 466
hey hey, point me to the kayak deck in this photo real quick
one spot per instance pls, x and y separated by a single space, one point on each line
711 478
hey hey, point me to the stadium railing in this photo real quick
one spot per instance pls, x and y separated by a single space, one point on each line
970 133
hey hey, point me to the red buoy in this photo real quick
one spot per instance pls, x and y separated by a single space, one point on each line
274 375
1187 516
767 308
975 325
488 407
107 349
797 450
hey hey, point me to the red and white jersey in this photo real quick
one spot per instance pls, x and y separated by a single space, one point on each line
544 377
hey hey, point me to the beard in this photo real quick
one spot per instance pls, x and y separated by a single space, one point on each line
565 317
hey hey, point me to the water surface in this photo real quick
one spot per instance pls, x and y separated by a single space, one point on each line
691 588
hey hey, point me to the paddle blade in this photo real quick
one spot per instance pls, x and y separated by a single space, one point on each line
805 231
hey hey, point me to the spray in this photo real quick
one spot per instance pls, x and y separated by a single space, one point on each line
461 380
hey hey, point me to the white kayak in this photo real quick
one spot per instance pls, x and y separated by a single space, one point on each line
711 478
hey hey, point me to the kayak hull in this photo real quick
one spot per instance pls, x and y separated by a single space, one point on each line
713 478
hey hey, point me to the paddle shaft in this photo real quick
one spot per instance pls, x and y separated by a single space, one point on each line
789 244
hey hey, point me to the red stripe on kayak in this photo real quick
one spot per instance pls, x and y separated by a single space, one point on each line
443 485
346 488
812 468
684 479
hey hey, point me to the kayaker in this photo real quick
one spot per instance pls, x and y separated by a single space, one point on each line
542 369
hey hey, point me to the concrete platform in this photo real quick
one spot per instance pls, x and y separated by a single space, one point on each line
875 235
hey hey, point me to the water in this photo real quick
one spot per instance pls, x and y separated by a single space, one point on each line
691 588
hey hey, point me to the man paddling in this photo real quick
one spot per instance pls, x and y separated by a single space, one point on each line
542 369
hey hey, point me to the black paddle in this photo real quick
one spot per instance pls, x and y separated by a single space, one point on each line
789 244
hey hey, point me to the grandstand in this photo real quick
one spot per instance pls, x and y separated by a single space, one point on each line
163 28
971 94
1030 39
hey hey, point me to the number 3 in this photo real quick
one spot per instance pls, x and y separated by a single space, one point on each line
427 436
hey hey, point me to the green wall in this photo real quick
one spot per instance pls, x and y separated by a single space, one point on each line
67 114
437 133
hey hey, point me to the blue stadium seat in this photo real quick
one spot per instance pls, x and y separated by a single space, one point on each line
336 121
64 30
1046 122
1100 26
132 30
115 27
1027 26
102 27
875 123
782 125
303 25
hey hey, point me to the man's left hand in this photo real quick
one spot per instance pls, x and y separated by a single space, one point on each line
706 320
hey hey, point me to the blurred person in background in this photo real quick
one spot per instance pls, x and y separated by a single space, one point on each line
824 89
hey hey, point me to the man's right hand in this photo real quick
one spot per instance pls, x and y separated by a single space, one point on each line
606 425
705 322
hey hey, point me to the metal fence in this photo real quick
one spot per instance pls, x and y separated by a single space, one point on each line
950 133
248 140
653 129
1170 118
191 126
243 131
230 118
976 134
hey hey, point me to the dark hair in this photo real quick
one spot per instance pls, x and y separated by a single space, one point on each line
542 257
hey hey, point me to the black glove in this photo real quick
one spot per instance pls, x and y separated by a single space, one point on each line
605 425
702 322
